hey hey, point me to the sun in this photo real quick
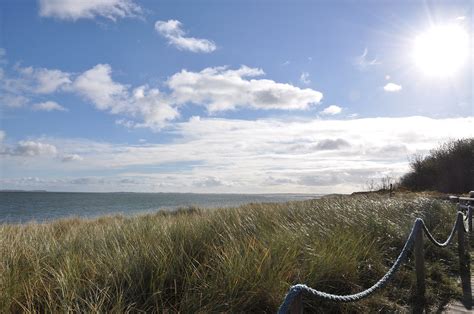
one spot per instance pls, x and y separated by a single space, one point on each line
442 50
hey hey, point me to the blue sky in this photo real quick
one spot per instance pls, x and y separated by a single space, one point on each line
228 96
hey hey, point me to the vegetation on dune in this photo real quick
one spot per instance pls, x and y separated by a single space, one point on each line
448 169
228 260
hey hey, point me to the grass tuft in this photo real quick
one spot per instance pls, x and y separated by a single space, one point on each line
228 260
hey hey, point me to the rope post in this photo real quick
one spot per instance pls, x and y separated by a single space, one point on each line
469 219
297 305
420 266
471 203
464 264
470 234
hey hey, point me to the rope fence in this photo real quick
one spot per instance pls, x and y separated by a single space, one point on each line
293 299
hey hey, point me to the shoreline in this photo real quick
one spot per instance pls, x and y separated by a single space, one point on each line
24 207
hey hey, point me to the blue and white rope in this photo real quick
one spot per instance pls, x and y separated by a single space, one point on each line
295 290
459 220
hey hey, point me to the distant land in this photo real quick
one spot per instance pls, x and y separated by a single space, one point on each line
23 191
126 192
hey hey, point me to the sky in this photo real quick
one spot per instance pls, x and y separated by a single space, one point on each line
228 96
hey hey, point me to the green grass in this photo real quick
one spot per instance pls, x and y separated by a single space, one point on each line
226 260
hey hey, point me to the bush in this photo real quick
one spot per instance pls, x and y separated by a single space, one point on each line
448 169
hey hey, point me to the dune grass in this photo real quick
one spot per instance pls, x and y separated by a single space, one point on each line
226 260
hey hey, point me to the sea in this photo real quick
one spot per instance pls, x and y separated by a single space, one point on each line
24 207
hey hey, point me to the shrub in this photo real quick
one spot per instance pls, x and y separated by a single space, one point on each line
448 169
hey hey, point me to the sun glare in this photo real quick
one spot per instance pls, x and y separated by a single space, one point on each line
442 50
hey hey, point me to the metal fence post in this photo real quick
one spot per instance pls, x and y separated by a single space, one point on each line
420 267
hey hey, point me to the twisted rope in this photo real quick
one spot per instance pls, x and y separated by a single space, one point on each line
459 220
419 224
300 288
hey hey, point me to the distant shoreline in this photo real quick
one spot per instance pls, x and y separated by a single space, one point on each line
196 193
23 191
23 206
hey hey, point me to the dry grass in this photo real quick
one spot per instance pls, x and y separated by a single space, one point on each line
228 260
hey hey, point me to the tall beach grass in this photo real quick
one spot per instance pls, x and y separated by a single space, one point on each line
224 260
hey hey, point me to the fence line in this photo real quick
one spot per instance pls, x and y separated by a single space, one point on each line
293 299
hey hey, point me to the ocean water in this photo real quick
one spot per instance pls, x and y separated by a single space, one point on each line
22 207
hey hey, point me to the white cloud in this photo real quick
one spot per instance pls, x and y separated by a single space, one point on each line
48 106
71 157
41 80
2 135
222 155
217 89
153 107
304 78
17 89
221 89
331 110
96 85
77 9
13 101
148 105
363 62
33 148
50 80
173 31
392 87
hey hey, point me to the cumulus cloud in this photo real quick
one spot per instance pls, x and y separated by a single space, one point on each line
51 80
96 85
363 62
331 110
304 78
48 106
153 107
173 31
2 135
23 83
221 89
216 89
13 101
74 9
40 80
148 105
392 87
32 148
71 157
12 90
